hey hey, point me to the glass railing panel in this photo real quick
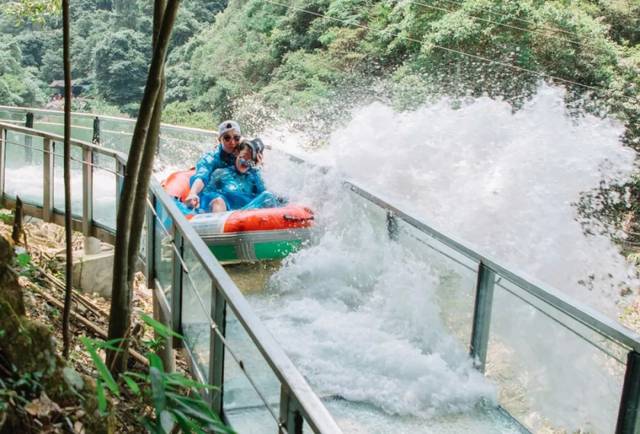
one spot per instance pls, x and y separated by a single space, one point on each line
12 116
116 134
196 310
81 124
104 190
554 374
181 145
76 179
24 167
163 250
453 275
242 404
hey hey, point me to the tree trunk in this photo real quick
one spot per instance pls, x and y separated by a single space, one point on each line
18 218
120 316
67 178
146 164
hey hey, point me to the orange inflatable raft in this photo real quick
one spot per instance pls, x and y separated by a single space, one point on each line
245 235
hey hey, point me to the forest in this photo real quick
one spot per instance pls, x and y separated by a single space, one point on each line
266 59
304 62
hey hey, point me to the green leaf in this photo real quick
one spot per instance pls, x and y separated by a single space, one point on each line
100 366
6 218
187 425
155 362
102 399
157 390
23 259
133 386
159 328
113 344
152 426
166 421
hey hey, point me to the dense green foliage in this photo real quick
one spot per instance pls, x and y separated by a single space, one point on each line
111 49
295 57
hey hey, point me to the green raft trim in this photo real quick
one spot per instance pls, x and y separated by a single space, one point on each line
261 251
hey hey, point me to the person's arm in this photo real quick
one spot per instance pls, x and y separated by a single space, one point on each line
259 183
204 167
193 200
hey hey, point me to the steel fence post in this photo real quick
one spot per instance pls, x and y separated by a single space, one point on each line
628 415
482 316
3 161
28 151
176 286
217 349
87 193
95 138
47 180
290 417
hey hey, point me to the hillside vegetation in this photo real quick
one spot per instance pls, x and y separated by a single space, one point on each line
292 58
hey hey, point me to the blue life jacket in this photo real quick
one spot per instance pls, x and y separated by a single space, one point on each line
210 162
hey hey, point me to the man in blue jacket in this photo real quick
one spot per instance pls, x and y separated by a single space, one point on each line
221 157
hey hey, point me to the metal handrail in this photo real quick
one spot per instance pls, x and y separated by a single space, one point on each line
489 272
312 408
57 138
113 118
589 317
308 403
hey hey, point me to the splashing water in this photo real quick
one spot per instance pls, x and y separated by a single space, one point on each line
361 316
503 181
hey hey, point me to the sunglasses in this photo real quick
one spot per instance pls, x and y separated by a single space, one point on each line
228 137
247 163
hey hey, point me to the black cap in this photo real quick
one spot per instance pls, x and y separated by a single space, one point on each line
257 147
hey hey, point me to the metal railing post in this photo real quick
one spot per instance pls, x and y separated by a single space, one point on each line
176 285
95 139
392 226
91 244
28 152
482 316
87 193
3 160
120 168
47 180
150 266
629 413
216 349
290 416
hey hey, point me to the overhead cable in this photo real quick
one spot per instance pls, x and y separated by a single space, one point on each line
459 52
522 20
510 26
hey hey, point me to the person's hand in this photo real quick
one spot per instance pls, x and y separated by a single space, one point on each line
192 200
259 159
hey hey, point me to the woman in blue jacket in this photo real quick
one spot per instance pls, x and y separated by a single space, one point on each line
241 186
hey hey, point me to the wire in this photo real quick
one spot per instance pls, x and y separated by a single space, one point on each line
62 156
212 324
522 20
462 53
511 26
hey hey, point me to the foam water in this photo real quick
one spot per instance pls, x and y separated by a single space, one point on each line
361 317
503 181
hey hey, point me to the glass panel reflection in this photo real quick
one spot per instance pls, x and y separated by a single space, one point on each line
104 190
554 374
24 167
76 179
163 251
196 310
242 404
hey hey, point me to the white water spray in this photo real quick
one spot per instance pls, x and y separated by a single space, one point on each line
360 316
